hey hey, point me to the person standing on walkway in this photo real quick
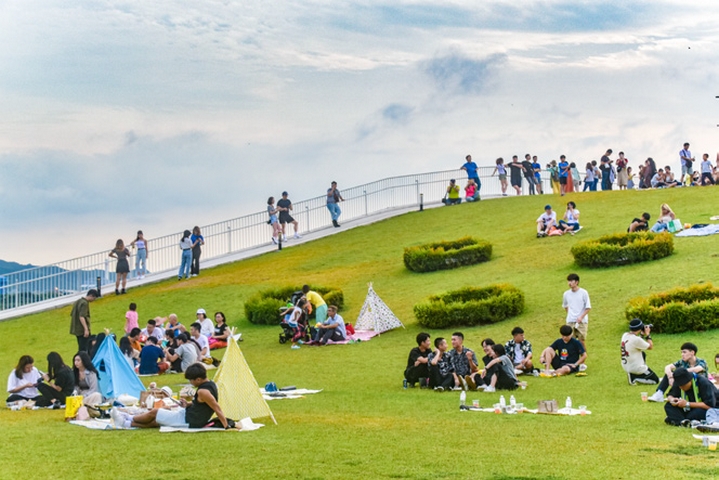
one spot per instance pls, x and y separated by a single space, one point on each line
197 241
501 170
537 168
471 168
80 320
186 247
516 170
141 257
686 159
284 205
333 200
121 253
273 221
529 173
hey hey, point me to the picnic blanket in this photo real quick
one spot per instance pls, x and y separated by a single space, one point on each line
562 411
288 394
698 232
358 336
96 424
247 426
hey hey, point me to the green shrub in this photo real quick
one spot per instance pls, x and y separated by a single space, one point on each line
264 307
431 257
622 249
470 306
695 308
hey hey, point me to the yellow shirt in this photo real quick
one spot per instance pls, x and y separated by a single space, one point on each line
315 299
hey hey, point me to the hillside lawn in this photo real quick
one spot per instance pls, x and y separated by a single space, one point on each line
363 424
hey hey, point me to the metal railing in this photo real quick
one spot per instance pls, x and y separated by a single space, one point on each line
70 277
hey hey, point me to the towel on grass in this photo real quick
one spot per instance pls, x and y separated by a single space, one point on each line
247 426
698 232
358 336
288 394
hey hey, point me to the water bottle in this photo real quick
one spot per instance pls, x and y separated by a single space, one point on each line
462 399
502 402
512 402
568 403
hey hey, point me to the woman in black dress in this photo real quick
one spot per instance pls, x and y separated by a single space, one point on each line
123 266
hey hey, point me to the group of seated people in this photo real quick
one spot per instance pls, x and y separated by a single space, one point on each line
548 226
329 326
457 368
452 195
641 224
50 389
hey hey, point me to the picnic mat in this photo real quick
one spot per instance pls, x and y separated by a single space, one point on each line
288 394
698 232
358 336
97 424
562 411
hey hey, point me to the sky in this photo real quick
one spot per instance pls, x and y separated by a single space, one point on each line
125 115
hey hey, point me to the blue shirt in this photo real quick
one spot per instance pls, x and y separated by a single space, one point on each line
536 167
563 169
194 237
471 168
340 324
149 356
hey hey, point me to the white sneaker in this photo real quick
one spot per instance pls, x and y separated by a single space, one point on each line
298 235
582 367
284 238
658 397
118 418
274 240
490 389
463 383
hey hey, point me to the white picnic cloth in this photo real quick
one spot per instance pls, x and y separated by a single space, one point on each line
287 395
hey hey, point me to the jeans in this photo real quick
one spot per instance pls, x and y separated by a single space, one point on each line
196 252
660 227
594 185
334 211
324 335
185 265
588 185
141 260
712 415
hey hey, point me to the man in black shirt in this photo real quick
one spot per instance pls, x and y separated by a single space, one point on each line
529 173
195 415
417 367
284 206
699 396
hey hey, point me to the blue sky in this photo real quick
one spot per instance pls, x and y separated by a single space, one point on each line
160 115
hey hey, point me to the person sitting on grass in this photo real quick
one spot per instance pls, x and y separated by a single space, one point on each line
519 351
63 382
184 356
195 415
464 363
205 323
688 361
333 328
666 217
546 222
452 196
565 355
22 380
441 376
471 192
134 338
570 221
202 342
633 348
220 333
152 330
417 364
640 224
487 349
699 395
174 325
86 379
499 372
152 358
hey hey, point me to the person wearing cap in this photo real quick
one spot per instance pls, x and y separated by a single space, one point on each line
333 203
284 206
452 196
80 320
207 327
546 221
689 398
633 347
689 361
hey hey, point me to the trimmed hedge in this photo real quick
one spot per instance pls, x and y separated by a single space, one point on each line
470 306
678 310
622 249
264 307
431 257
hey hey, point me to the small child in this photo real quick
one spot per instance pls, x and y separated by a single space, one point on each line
293 320
131 319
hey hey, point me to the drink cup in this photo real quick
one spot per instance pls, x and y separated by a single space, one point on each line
520 407
712 446
523 385
497 408
582 410
475 403
645 396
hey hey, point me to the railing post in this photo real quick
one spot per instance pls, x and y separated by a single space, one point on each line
416 187
98 285
107 270
229 239
365 202
421 202
307 212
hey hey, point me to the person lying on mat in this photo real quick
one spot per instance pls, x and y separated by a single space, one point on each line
565 354
333 328
195 415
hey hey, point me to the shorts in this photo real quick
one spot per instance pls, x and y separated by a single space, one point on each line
562 180
286 218
580 330
517 182
557 364
172 418
574 225
503 177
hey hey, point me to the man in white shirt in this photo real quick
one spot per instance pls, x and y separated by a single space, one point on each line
633 347
686 159
202 341
206 325
545 221
577 305
152 330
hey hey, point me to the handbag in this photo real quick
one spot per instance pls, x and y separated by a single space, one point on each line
72 405
547 406
675 226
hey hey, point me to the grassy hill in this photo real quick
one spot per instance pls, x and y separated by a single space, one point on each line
364 424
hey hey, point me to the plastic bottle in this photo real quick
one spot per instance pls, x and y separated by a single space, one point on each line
502 402
462 399
512 402
568 403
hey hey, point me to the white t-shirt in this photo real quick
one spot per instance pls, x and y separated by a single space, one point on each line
632 358
550 219
158 333
204 344
31 377
575 303
572 216
207 328
518 353
706 166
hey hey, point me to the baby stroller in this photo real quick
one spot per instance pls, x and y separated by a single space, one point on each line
288 332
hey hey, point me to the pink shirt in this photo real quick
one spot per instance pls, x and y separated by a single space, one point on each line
131 322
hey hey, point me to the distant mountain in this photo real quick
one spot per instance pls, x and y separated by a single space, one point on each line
9 267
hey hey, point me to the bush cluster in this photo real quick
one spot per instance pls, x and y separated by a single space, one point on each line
678 310
445 255
264 307
470 306
622 249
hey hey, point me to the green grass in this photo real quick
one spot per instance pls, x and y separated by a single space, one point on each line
363 424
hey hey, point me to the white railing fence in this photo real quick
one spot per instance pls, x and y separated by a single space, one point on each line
77 275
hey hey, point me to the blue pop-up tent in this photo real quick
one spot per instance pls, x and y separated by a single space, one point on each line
116 375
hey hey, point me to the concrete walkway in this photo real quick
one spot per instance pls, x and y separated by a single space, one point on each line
221 260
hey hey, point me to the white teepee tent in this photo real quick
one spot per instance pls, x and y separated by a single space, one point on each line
239 393
376 315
